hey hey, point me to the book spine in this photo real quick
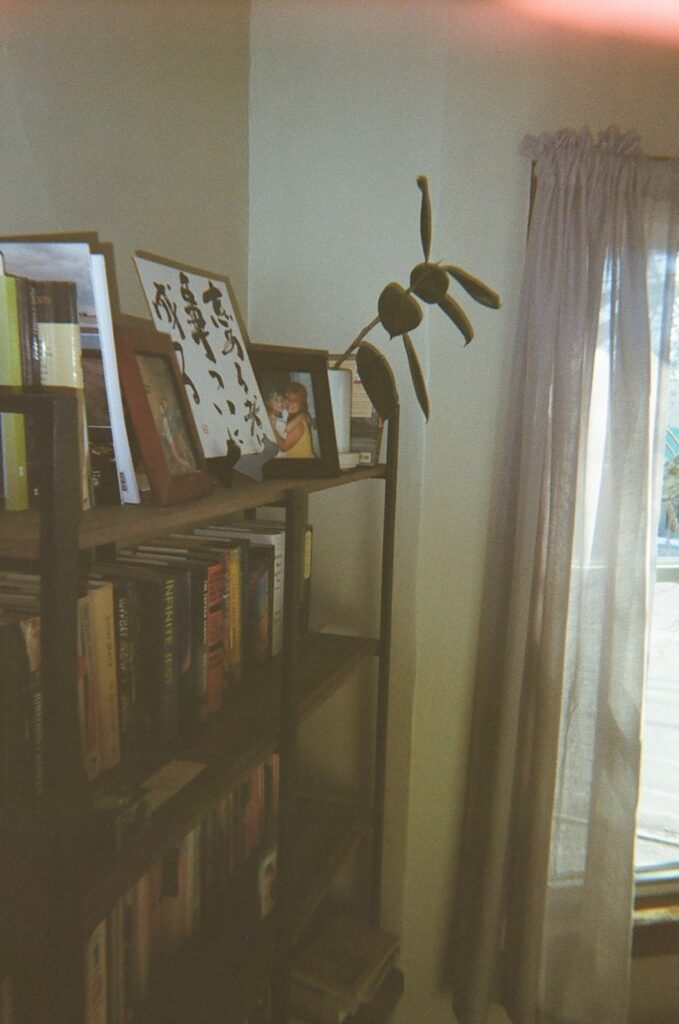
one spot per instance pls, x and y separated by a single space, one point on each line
87 692
103 631
14 461
95 976
305 609
235 613
168 694
183 648
199 651
125 666
114 947
55 313
215 638
258 621
7 1000
142 905
127 481
30 629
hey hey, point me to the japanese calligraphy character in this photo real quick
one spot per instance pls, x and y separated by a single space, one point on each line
165 308
195 317
186 380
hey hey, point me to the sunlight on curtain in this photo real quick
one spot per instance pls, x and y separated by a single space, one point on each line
547 871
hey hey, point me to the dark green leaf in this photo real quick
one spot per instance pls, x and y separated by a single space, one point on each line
425 215
429 282
377 379
474 287
416 375
398 311
456 313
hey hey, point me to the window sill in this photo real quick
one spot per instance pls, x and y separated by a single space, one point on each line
656 926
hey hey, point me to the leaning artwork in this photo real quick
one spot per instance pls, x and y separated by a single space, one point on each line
198 310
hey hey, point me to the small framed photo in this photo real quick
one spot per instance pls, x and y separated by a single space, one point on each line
160 414
296 395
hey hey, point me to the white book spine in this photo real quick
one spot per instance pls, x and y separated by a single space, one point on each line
127 481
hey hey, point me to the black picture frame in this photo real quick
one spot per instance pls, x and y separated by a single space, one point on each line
159 410
281 370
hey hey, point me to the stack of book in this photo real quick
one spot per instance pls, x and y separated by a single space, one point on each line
165 629
339 966
57 330
165 908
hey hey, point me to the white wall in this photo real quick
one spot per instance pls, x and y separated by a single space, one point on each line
130 119
349 102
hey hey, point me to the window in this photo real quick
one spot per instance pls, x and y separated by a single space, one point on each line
657 839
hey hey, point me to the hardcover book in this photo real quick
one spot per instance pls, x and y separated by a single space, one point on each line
343 958
260 534
156 698
21 707
102 612
51 259
12 424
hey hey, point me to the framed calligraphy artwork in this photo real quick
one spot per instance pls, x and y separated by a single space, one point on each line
198 310
160 414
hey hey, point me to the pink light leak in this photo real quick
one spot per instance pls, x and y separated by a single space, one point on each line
649 19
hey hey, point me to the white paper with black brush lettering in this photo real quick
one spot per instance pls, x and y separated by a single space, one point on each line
198 310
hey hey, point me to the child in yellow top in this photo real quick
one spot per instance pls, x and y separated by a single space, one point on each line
296 442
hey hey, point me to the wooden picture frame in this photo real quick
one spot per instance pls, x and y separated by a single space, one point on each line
296 394
160 414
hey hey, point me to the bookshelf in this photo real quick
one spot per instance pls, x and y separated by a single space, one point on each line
55 900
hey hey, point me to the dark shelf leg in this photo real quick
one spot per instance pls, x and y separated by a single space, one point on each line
296 512
384 664
60 512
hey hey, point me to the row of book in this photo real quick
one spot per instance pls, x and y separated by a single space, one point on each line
56 329
167 905
165 629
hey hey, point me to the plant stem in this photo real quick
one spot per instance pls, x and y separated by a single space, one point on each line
356 342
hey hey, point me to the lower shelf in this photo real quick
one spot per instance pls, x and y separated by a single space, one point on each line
221 975
385 1002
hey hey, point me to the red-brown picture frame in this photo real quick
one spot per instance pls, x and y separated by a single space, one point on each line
159 412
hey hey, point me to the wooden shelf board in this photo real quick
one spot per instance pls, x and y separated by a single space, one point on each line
231 744
131 524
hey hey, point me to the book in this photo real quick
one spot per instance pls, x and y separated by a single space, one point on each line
260 534
258 632
7 1015
88 699
343 958
187 578
96 1006
21 707
126 624
208 613
102 612
366 425
234 555
156 697
54 311
78 260
12 424
115 949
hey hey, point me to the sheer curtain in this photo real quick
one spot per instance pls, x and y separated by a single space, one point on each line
546 878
